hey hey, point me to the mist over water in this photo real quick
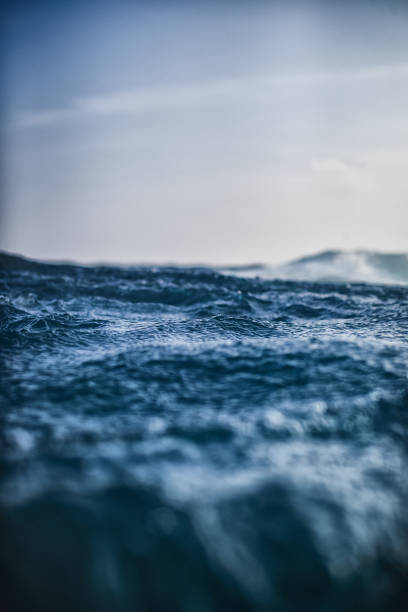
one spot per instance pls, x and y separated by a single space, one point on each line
198 439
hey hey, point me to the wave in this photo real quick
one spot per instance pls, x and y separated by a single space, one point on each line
330 266
335 266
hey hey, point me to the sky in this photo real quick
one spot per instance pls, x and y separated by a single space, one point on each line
211 132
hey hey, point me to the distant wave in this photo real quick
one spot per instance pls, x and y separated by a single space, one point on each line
335 266
331 266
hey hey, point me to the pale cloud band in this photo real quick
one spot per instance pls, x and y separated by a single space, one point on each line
258 89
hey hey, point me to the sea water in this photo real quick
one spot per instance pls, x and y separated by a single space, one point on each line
200 440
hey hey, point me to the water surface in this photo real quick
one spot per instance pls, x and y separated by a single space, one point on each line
192 440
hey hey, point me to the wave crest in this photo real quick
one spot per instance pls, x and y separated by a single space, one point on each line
336 266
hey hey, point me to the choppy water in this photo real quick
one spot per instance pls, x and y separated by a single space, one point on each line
180 439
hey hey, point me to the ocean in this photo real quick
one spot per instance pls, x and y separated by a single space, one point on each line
202 439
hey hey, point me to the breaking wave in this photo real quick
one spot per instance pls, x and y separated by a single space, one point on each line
336 266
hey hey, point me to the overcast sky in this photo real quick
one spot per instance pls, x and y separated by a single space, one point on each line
219 132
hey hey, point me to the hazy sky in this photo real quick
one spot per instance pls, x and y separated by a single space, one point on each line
219 132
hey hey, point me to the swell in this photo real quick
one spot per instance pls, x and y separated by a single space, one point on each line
237 555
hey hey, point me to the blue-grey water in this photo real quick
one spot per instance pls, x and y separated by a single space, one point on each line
202 440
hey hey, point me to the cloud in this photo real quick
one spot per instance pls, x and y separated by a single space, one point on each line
258 89
133 102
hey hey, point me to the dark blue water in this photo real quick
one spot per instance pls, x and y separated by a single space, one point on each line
177 439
